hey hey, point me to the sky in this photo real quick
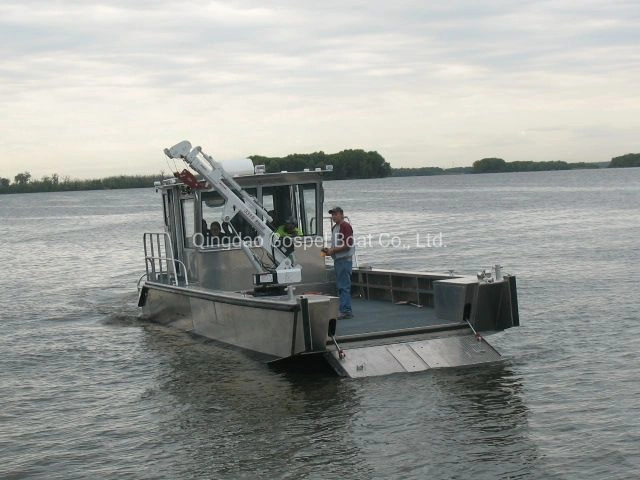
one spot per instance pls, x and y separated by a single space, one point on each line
91 89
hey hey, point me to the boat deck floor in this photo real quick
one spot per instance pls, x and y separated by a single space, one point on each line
370 316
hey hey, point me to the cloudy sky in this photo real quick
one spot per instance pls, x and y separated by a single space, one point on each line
90 89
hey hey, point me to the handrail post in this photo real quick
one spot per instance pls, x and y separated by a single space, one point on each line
153 262
159 254
154 259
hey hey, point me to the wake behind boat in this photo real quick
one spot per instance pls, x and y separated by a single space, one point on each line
275 297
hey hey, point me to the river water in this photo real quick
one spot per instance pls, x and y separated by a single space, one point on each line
88 390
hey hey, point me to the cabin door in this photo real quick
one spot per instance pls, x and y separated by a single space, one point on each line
173 221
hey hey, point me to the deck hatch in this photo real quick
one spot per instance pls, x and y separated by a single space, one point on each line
407 357
455 351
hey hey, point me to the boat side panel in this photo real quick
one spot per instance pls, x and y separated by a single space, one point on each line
487 306
274 332
260 330
493 307
167 309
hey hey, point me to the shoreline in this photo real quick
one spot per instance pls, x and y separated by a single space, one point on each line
139 181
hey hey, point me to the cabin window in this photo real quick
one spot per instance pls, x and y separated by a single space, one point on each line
308 217
212 208
297 201
188 220
277 201
165 209
281 201
213 205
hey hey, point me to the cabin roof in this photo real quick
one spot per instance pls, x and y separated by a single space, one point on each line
279 178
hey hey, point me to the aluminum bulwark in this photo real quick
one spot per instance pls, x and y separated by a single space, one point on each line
270 326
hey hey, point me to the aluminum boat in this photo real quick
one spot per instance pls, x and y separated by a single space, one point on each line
247 290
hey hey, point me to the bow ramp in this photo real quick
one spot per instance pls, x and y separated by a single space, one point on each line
457 349
386 337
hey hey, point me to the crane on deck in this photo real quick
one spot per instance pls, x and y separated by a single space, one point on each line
283 270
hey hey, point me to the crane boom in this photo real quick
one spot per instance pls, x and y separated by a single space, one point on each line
238 201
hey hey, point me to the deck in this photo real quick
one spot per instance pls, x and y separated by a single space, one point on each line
371 316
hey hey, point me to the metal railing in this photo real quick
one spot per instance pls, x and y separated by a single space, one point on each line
159 261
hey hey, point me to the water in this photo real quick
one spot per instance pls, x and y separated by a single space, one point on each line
88 390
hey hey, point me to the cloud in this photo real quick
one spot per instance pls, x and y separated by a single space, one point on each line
96 88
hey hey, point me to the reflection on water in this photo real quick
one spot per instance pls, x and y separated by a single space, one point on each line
449 423
236 417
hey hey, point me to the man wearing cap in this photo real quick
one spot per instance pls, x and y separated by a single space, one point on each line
342 250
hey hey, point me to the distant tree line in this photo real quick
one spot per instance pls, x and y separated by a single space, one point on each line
493 165
23 183
628 160
497 165
428 171
346 164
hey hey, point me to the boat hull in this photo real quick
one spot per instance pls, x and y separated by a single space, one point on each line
299 333
272 327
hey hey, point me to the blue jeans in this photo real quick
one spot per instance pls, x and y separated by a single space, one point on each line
342 268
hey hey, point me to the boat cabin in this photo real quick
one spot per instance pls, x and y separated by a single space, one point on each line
217 261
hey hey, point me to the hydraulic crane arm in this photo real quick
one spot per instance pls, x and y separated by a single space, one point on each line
238 201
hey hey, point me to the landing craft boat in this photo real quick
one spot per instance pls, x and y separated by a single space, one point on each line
248 288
